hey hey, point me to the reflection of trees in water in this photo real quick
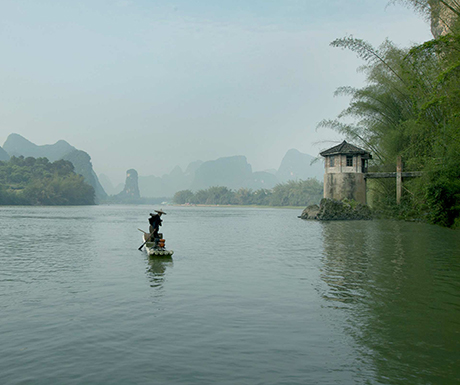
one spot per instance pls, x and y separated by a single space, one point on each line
156 270
397 284
352 259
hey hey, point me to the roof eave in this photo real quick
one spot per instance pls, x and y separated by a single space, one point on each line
345 153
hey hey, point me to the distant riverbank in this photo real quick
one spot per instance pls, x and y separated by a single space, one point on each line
241 206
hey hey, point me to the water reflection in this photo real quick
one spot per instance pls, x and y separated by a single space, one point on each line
156 270
397 286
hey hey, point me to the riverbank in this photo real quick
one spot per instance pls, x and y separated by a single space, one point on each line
334 210
240 206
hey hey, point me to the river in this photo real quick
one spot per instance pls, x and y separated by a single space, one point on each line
251 296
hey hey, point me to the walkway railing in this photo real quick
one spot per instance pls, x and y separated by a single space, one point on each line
399 175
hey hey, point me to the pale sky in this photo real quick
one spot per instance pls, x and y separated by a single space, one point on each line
149 84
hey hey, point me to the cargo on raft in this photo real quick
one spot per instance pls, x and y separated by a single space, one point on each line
156 248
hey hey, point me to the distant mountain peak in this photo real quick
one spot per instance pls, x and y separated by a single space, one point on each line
232 172
15 143
3 155
62 142
192 167
14 136
131 190
298 166
177 171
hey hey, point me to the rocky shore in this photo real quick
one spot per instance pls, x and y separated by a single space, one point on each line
334 210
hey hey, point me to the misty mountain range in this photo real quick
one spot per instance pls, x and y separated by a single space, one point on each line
233 172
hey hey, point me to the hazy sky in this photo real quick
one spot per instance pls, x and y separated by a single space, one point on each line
149 84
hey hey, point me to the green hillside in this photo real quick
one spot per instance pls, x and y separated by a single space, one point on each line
31 181
16 145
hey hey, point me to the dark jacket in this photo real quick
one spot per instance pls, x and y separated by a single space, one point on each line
155 221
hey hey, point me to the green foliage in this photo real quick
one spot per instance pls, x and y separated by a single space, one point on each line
261 197
219 196
442 197
30 181
297 193
292 193
82 163
410 107
182 197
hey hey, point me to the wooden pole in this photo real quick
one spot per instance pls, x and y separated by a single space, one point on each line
398 180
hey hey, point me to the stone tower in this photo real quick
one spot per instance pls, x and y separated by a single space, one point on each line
345 169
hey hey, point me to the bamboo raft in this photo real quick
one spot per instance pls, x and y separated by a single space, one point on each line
156 248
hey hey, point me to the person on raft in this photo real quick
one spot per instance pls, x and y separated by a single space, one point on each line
155 223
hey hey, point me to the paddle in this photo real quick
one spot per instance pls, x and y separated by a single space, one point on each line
148 238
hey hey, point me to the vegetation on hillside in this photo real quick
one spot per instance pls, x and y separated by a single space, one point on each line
82 163
292 193
410 107
31 181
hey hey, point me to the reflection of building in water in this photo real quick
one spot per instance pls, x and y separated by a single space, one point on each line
391 286
157 269
345 260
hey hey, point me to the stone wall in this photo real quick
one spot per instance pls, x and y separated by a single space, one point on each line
350 186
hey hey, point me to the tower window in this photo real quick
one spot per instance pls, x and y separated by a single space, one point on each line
349 160
331 161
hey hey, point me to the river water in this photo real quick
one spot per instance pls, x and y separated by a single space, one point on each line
251 296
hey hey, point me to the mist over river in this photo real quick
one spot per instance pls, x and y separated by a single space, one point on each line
251 296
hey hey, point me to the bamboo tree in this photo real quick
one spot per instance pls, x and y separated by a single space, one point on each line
410 107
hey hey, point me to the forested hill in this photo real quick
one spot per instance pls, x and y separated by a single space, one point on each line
16 145
3 154
31 181
82 163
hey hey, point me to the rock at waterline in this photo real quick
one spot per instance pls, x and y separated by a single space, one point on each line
334 210
311 212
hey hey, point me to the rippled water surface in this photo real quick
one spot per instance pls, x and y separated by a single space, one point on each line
251 296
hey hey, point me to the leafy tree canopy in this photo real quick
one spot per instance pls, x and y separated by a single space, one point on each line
31 181
410 108
292 193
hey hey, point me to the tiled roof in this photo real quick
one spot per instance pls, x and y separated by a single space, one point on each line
344 148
